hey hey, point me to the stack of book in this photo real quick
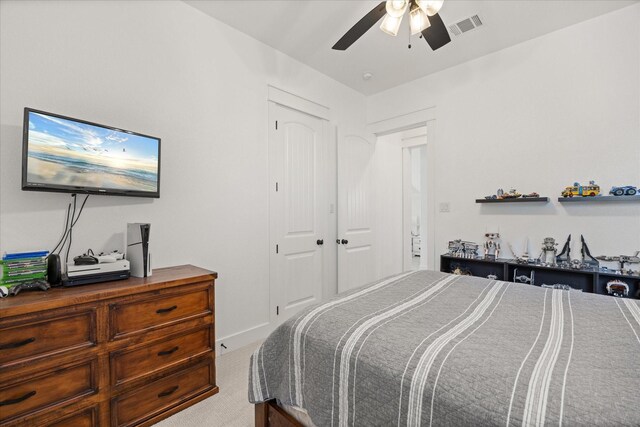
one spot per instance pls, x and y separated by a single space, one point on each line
23 267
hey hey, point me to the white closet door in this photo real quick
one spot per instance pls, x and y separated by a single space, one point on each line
355 212
297 146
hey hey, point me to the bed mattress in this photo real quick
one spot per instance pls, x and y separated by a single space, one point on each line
429 348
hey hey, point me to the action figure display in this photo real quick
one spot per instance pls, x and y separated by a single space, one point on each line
492 246
617 288
523 278
463 249
548 255
622 260
564 257
587 259
576 189
626 190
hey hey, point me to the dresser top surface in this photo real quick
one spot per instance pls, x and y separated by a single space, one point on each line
31 301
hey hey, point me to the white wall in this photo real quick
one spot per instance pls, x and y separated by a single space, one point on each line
538 116
164 69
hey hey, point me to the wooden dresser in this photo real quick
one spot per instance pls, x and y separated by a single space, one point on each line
124 353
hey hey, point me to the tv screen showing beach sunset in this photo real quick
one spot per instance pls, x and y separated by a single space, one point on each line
63 152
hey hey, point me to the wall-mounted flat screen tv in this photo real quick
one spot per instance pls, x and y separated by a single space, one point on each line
75 156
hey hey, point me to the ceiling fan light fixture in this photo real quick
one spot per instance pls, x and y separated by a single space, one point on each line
391 25
396 8
418 20
430 7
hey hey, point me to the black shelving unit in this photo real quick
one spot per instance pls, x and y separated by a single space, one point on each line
518 200
599 199
594 281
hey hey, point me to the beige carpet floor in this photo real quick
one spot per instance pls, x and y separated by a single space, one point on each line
230 406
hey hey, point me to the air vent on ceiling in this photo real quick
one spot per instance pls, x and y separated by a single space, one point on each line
465 25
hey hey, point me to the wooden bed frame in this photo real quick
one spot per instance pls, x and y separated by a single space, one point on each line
269 414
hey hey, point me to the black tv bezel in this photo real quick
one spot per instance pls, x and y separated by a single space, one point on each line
26 186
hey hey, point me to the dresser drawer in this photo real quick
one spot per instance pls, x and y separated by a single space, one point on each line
45 337
84 418
127 365
154 312
38 393
147 401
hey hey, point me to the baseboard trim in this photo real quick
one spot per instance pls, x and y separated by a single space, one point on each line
242 338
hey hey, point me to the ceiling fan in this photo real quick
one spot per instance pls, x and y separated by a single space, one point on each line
423 18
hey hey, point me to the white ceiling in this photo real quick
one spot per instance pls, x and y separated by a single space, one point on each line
306 30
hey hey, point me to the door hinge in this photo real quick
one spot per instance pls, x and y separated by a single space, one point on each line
276 125
277 310
276 186
276 248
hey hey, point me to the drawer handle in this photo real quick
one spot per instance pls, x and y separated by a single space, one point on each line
168 391
17 344
18 400
166 310
167 352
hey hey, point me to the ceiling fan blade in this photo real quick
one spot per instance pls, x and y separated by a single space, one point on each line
436 35
361 27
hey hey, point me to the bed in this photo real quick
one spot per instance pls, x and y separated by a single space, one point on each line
429 348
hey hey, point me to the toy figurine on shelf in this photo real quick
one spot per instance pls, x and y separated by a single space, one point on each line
531 195
512 194
622 260
563 259
626 190
548 255
463 249
560 286
587 259
576 189
524 257
458 270
617 288
492 246
523 278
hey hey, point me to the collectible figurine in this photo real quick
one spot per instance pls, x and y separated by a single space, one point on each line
524 258
622 260
462 249
512 194
492 246
548 255
587 258
564 257
523 278
617 288
458 270
591 190
530 195
627 190
560 286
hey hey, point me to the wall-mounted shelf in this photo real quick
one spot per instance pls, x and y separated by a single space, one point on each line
518 200
599 199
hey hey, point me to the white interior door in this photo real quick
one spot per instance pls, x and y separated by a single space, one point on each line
297 143
355 212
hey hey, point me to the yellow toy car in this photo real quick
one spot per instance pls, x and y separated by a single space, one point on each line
590 190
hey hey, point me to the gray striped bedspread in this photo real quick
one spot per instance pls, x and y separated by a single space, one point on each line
429 348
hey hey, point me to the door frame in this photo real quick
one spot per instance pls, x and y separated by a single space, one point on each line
405 122
279 97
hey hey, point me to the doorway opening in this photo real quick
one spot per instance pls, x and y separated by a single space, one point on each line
414 190
402 193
